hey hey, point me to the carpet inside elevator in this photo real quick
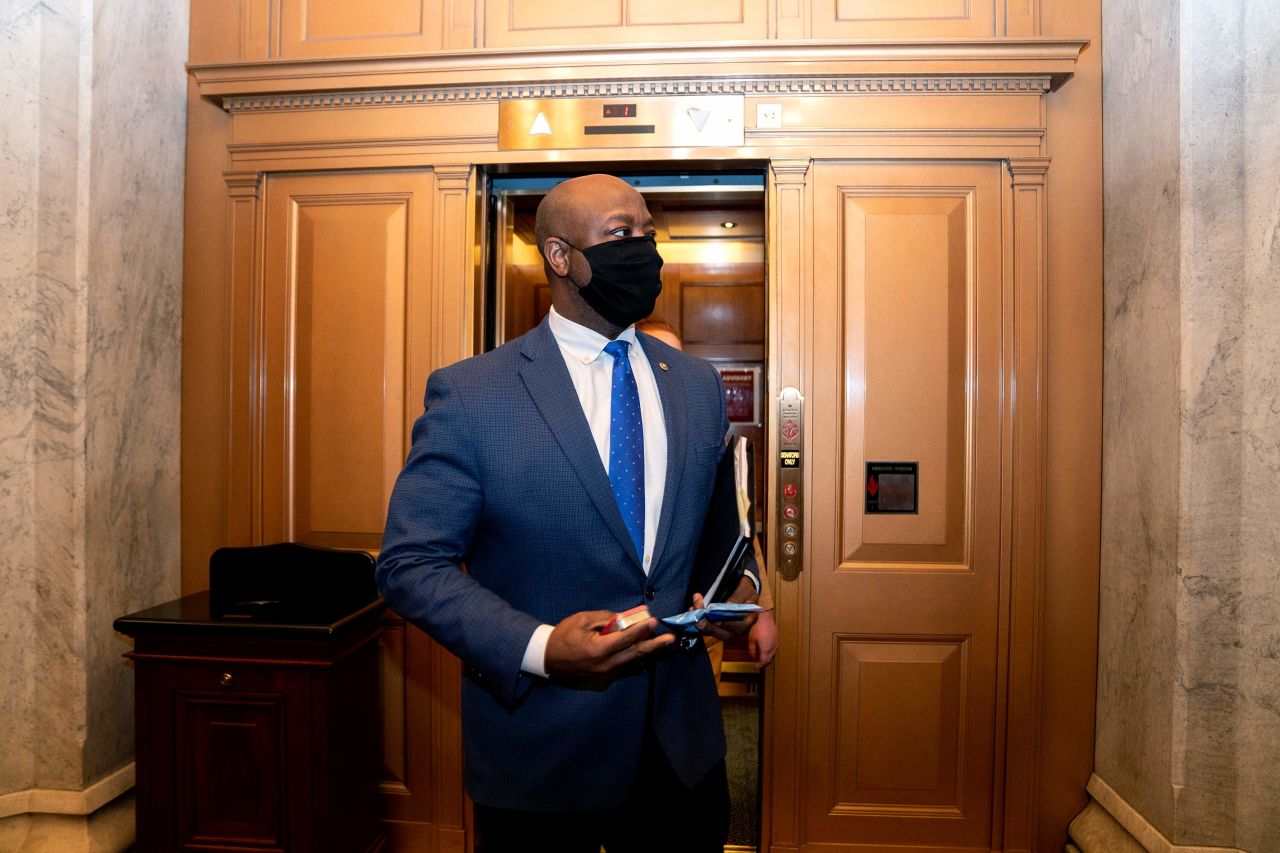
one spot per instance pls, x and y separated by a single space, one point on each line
742 762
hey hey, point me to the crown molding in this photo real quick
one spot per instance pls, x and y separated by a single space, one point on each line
993 65
637 88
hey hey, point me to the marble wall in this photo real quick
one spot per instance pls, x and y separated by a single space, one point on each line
1189 685
1141 440
91 176
19 163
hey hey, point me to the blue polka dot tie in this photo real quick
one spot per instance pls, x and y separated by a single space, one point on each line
626 444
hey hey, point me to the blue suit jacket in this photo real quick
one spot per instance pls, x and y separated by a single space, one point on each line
505 478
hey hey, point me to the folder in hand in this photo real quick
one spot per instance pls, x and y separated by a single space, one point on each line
729 528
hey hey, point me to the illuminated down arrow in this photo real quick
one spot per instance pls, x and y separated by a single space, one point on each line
699 117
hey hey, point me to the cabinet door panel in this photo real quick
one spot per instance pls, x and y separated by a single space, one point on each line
315 28
230 769
862 19
534 23
559 14
346 260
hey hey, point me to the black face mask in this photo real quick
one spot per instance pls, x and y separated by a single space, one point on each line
626 278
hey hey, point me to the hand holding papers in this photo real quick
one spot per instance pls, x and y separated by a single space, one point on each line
721 612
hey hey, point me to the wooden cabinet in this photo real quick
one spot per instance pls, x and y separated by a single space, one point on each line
259 738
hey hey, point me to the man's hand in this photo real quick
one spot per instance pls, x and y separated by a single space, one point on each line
729 628
762 642
577 649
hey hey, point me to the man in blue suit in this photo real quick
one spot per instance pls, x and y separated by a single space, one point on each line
553 483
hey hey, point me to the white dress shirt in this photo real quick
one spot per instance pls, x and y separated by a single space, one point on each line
591 370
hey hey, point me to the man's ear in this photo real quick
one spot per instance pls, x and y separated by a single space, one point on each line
557 255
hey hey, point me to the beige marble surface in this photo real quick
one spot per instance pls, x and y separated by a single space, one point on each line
1141 400
91 148
19 160
134 317
1189 685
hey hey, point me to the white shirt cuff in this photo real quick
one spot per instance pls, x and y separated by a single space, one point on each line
755 581
535 654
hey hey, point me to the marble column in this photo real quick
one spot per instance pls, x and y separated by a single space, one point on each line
1189 670
91 186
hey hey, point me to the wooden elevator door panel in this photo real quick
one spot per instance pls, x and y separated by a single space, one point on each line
901 698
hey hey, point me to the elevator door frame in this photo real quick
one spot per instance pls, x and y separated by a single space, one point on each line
494 198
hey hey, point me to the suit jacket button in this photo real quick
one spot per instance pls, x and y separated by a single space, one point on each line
648 593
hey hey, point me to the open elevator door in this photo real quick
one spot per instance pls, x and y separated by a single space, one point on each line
711 235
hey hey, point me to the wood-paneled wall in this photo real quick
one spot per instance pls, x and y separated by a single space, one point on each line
334 243
252 30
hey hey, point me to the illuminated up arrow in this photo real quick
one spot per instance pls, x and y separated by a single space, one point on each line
540 126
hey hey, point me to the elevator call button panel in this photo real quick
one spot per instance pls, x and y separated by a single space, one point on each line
791 481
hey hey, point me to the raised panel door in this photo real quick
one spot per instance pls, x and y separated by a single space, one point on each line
317 28
230 769
901 693
897 19
537 23
346 267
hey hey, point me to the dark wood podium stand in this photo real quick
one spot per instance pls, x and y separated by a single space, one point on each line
257 735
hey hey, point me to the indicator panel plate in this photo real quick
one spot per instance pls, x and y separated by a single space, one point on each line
676 121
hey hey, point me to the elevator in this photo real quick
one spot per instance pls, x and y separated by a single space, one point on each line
902 327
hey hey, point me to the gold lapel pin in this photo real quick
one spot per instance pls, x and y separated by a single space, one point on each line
663 365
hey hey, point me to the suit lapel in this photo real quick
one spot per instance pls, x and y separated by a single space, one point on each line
672 393
547 380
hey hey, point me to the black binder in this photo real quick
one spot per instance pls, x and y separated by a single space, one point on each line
728 531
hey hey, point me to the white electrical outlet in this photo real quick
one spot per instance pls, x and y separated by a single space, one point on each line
768 115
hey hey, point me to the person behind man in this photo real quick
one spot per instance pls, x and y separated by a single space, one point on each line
569 472
762 641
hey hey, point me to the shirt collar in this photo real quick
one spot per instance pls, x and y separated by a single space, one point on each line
580 343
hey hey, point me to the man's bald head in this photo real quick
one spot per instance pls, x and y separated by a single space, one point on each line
569 211
575 216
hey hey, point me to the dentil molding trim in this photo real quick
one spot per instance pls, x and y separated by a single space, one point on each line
751 68
916 85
